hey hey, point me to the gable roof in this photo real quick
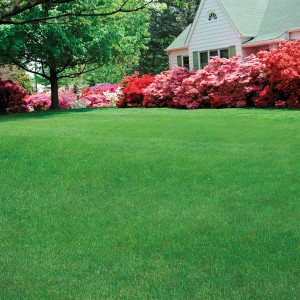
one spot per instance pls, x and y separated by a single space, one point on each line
247 16
280 16
260 20
180 41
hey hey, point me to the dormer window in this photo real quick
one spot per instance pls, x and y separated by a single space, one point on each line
212 16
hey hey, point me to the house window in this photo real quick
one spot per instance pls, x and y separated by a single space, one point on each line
224 53
205 56
212 16
186 62
183 61
203 59
213 53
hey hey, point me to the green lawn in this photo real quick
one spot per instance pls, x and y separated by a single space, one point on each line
150 204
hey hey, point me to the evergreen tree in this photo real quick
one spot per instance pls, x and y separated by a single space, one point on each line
165 25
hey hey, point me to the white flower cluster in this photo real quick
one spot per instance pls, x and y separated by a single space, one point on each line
79 104
113 97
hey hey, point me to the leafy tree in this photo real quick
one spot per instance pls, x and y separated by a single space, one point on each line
12 11
72 47
165 25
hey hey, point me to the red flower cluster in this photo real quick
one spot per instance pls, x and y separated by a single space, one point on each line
133 90
282 66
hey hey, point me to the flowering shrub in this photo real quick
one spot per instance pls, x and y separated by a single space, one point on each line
11 97
161 92
133 90
222 83
66 97
101 95
283 69
106 87
79 104
42 101
95 100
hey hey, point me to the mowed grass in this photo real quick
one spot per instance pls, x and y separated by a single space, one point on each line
150 204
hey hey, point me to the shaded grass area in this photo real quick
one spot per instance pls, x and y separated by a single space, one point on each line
150 204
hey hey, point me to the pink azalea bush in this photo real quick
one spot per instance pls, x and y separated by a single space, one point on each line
42 101
101 95
95 100
36 102
161 92
66 97
222 83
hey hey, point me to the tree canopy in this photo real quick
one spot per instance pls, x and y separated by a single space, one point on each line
66 49
166 24
14 11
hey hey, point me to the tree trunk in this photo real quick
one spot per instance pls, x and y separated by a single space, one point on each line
54 89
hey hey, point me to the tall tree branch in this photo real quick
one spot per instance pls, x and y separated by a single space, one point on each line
16 8
30 71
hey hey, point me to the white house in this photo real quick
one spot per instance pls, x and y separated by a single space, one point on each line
229 27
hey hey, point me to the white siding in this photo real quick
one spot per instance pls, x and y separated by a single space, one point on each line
216 34
173 56
295 35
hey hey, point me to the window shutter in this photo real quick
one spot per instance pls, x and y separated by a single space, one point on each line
232 51
179 61
196 60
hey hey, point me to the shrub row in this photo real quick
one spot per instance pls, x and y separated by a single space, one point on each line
270 79
14 100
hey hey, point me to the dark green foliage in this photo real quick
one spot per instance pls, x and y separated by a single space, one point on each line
165 26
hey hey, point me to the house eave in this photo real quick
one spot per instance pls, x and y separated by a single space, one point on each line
248 36
293 29
175 49
275 40
262 43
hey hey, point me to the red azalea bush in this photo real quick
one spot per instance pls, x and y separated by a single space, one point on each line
133 90
11 97
222 83
283 69
162 90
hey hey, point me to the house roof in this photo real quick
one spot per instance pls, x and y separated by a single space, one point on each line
180 41
263 20
261 38
247 16
279 17
260 20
